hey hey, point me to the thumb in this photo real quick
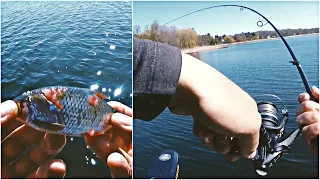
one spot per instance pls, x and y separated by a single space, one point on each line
249 139
122 121
119 166
248 145
8 110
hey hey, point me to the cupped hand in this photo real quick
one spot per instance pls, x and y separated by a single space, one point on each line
308 116
225 117
114 147
26 152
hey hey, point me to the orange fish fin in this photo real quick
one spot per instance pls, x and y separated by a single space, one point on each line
100 95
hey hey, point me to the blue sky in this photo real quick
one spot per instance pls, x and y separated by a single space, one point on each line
227 20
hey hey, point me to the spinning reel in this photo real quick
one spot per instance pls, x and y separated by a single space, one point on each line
272 144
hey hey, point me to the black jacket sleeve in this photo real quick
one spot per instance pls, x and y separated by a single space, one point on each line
156 71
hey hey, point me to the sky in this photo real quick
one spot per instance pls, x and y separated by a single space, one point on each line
227 20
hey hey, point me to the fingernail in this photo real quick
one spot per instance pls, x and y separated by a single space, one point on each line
207 139
252 155
5 108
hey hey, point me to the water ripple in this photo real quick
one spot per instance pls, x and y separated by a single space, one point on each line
49 43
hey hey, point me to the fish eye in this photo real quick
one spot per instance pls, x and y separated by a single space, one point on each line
27 99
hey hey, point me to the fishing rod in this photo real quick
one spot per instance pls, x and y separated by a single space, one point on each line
272 144
260 24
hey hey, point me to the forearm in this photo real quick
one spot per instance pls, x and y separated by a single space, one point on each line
219 97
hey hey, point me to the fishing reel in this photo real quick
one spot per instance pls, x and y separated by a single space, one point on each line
272 143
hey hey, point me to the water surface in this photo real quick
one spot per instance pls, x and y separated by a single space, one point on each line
81 44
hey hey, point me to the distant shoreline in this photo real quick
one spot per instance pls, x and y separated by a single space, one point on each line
198 49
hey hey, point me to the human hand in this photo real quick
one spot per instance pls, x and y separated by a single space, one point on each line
308 116
16 138
114 147
220 109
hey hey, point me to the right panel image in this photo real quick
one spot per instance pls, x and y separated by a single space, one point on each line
225 89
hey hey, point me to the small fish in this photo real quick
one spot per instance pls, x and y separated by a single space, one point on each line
64 110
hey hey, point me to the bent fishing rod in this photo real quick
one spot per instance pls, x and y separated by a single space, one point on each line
272 144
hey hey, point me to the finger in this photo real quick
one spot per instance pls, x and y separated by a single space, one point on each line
248 145
233 154
100 145
303 97
315 92
9 111
54 169
308 118
196 128
199 130
119 166
6 171
307 106
18 141
221 144
206 139
217 142
122 121
50 146
121 108
126 156
311 131
314 149
232 158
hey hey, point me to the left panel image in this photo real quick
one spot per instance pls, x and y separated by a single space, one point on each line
66 89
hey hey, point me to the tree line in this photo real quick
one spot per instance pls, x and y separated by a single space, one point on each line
188 38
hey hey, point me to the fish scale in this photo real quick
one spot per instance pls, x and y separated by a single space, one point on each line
82 110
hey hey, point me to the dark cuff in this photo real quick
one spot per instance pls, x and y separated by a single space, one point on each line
157 70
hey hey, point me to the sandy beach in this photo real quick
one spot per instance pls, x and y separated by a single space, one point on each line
221 46
204 48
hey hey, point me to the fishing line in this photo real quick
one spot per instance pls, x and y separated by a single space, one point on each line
260 24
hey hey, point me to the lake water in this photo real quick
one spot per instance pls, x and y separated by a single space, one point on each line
69 44
258 68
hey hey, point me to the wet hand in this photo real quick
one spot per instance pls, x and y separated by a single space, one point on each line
114 147
224 115
308 116
16 138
